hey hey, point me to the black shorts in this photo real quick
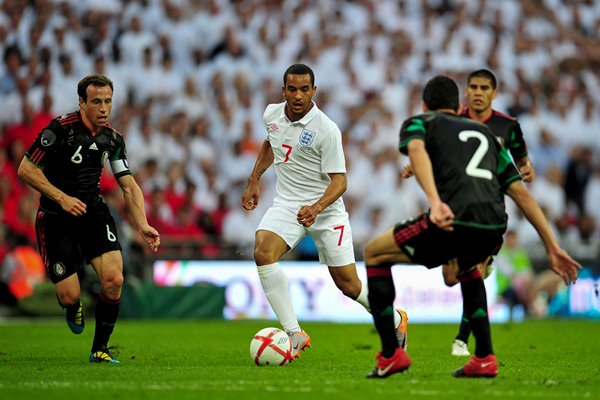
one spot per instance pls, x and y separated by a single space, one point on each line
66 242
426 244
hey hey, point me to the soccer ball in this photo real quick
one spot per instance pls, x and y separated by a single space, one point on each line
271 346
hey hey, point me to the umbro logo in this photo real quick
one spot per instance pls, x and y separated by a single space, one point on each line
93 146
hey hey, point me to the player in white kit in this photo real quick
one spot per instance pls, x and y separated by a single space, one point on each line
306 148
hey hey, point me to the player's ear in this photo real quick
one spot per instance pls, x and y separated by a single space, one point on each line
424 106
494 94
459 109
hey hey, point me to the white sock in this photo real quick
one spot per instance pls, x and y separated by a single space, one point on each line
275 285
363 300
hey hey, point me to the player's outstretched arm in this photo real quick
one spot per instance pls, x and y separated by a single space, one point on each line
134 199
34 177
560 262
263 161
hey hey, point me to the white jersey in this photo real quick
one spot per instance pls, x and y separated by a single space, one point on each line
305 152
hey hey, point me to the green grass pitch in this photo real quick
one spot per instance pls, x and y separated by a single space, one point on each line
551 359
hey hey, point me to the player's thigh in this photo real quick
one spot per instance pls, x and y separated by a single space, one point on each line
68 290
277 233
109 268
333 237
58 240
475 247
384 249
269 247
98 233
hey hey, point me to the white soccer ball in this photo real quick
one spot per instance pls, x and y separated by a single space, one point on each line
271 346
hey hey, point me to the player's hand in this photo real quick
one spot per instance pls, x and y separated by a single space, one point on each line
441 215
407 171
527 171
74 206
307 215
250 197
564 265
151 236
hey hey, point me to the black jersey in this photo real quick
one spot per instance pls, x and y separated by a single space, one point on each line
72 158
508 131
471 169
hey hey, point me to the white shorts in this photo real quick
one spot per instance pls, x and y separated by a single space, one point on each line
331 232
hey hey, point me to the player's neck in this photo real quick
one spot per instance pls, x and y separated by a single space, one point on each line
480 116
296 117
88 124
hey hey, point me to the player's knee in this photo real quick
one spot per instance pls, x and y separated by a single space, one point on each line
68 297
112 282
260 257
450 278
263 256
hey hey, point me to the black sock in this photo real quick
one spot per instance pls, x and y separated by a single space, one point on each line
475 310
464 330
381 300
107 311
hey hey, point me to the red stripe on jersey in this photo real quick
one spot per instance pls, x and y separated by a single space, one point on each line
37 156
411 231
40 232
379 271
69 119
116 131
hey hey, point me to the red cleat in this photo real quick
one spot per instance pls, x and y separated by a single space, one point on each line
486 367
398 362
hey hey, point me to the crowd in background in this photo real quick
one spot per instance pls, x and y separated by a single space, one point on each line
192 79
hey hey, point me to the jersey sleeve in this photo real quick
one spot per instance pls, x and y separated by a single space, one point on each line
118 160
412 128
268 116
517 146
332 153
45 144
507 172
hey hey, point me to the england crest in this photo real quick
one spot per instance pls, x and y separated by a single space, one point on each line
306 138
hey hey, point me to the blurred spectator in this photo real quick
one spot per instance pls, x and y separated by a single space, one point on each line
21 270
592 194
515 272
196 75
584 241
577 175
21 214
12 64
548 190
548 151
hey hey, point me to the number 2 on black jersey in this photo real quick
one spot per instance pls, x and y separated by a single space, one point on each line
473 168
